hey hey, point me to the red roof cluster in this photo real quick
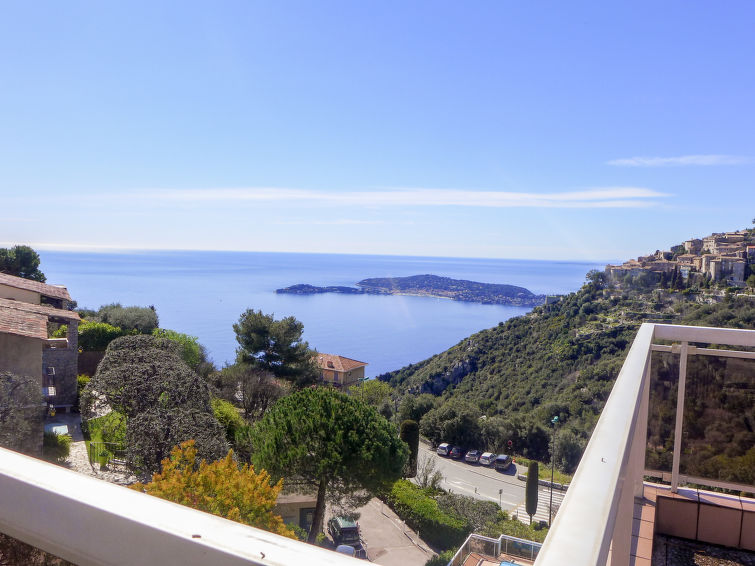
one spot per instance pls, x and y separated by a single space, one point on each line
22 323
338 363
54 291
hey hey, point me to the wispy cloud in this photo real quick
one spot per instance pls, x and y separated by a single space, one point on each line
334 222
609 197
682 160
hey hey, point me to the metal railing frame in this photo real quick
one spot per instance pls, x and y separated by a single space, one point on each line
597 513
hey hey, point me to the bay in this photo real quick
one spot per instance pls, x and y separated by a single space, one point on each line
203 293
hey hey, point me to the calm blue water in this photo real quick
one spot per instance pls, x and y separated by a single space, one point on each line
203 294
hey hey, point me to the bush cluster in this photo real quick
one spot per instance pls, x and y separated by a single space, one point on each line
56 447
422 513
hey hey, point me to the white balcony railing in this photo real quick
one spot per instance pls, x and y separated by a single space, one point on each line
596 514
91 522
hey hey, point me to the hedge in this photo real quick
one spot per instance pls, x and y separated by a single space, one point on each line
421 513
56 447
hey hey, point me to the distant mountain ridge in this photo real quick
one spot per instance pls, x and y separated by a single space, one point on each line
431 286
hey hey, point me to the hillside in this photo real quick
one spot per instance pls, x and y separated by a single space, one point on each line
560 359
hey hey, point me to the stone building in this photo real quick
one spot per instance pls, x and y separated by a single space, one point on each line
27 310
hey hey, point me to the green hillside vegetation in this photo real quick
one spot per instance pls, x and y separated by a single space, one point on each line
506 383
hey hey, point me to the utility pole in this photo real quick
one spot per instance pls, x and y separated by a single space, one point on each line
554 421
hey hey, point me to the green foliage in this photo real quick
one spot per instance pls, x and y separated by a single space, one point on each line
255 389
163 401
142 372
95 336
110 428
372 392
456 423
191 350
544 471
428 477
559 355
410 435
441 559
422 513
228 417
414 407
515 528
476 513
530 490
21 261
221 487
56 447
275 346
151 434
82 381
242 443
21 407
331 442
299 533
141 320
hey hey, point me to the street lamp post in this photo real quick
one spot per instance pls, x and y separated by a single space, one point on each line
553 463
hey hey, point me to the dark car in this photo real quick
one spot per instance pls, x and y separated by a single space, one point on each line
456 453
473 456
344 531
502 462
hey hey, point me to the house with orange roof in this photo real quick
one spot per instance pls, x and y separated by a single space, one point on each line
340 371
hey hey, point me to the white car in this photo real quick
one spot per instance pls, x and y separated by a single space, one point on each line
443 449
487 458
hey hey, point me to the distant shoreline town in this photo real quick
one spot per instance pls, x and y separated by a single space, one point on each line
718 257
430 286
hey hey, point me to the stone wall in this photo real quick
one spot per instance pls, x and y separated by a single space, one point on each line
66 364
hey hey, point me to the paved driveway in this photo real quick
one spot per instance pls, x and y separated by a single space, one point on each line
388 540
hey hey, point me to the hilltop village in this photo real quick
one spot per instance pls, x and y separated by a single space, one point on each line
726 258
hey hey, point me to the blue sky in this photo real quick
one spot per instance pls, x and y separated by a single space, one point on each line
553 130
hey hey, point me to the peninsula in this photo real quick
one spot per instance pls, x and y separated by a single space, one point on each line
431 286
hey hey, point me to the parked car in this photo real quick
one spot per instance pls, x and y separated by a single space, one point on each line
443 449
456 453
487 458
345 532
502 462
473 456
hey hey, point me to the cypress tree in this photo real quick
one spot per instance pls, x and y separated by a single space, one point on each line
531 490
410 435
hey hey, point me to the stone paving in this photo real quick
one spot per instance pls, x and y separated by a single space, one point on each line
78 460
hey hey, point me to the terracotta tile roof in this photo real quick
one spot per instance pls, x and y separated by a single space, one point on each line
54 291
45 310
22 323
338 363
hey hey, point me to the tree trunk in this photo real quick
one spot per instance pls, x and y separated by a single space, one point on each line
317 518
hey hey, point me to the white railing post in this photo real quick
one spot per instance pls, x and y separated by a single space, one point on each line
639 443
680 392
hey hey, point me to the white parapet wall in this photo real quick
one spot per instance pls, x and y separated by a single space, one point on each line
91 522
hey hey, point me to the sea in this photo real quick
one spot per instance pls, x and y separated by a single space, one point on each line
203 293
